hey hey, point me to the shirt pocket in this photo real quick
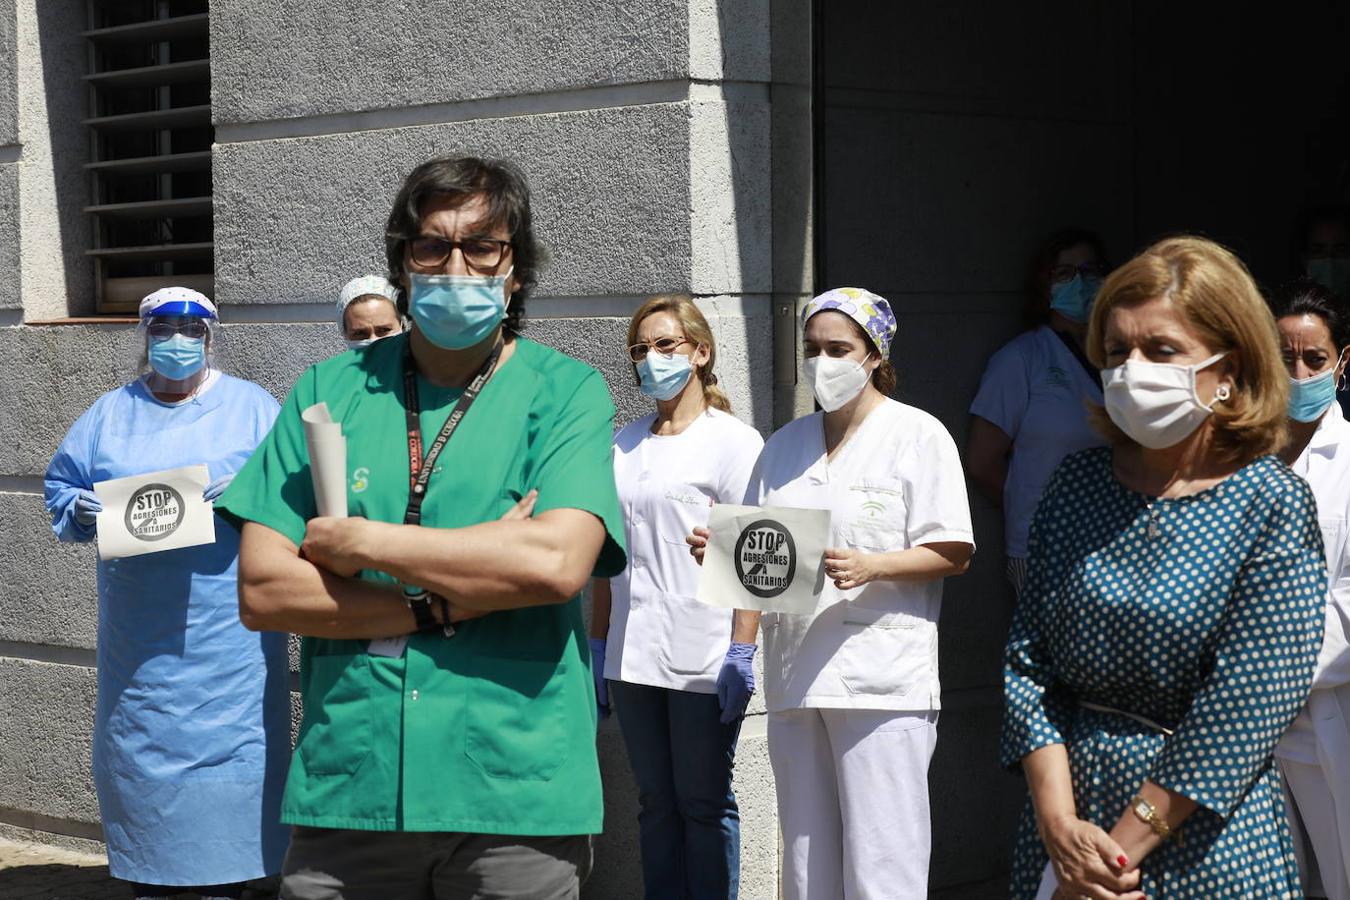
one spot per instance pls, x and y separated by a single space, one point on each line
515 723
885 653
337 733
697 638
1333 542
875 516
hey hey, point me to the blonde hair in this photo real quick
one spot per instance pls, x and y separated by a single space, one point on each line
1214 295
696 329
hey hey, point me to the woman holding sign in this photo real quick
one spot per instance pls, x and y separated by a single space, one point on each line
852 688
681 671
191 731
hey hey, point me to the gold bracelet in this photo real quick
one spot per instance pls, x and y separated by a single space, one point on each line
1148 814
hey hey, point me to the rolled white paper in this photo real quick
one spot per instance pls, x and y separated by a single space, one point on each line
327 460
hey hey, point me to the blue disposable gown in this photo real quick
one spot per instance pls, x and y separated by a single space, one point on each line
192 727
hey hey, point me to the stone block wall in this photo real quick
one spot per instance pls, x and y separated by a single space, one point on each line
647 132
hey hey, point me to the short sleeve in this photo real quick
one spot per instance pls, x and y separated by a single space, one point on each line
938 508
1035 713
575 467
1004 389
1263 662
738 464
274 487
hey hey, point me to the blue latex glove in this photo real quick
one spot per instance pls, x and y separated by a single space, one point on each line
736 681
217 487
87 507
598 673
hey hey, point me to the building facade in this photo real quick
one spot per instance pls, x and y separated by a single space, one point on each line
252 149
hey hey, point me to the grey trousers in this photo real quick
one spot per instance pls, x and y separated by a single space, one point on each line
338 864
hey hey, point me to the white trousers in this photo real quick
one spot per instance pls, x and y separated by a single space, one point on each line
1317 810
853 802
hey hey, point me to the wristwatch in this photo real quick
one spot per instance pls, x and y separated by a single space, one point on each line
419 601
1148 814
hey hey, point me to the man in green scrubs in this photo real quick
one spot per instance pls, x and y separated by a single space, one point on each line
447 748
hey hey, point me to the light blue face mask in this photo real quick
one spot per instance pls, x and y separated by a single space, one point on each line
663 377
1073 298
1311 397
457 311
177 357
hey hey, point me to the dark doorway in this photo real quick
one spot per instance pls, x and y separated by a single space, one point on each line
953 137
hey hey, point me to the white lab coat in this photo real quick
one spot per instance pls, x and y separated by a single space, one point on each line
896 484
659 635
1320 736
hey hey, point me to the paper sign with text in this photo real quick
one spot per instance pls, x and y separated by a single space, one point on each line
153 512
766 558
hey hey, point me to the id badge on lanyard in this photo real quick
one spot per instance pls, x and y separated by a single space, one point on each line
420 468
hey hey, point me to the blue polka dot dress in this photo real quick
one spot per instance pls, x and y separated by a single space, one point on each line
1202 614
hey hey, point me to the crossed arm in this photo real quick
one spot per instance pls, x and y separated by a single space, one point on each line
515 562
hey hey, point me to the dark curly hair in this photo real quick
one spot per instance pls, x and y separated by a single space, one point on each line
507 192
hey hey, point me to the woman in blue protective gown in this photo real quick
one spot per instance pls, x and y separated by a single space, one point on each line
192 727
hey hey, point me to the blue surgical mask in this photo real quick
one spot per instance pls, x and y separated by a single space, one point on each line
1073 298
457 311
1311 397
178 357
662 377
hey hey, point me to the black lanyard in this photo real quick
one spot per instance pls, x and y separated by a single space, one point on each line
420 468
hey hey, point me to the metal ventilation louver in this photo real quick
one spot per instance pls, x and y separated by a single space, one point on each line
150 138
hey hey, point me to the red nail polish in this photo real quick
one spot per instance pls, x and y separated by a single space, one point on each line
1122 860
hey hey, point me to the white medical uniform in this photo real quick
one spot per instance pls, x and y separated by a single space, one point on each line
1037 392
852 689
1314 754
659 635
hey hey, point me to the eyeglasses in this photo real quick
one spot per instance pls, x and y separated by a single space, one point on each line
1066 272
163 330
479 253
664 345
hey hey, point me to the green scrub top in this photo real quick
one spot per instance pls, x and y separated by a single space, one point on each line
493 729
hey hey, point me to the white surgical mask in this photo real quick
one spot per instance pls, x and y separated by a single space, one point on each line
834 381
1156 403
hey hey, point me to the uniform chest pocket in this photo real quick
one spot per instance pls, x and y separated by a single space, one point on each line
336 734
1333 540
875 517
676 509
515 726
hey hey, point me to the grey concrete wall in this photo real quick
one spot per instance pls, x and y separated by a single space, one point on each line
355 57
647 134
55 275
9 74
9 154
949 152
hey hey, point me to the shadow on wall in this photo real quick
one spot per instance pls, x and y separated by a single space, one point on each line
56 274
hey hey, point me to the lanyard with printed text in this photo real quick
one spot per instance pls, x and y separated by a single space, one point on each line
420 468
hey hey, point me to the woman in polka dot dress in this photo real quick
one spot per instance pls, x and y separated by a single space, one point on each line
1174 605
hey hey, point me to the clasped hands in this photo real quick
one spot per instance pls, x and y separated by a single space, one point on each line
340 545
1087 862
846 567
